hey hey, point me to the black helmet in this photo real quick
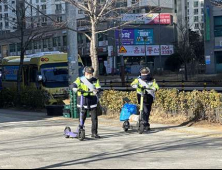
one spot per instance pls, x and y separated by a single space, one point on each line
145 70
89 70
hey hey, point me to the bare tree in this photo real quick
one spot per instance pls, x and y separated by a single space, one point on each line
97 12
25 33
182 47
190 46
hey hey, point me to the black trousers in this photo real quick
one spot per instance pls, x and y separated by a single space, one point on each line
147 107
94 117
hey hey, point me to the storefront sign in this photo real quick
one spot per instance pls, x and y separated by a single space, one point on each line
208 60
149 18
135 37
151 50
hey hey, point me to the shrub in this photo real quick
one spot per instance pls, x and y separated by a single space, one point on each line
194 105
30 97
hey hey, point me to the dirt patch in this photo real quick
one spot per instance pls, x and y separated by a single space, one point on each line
162 118
159 118
207 125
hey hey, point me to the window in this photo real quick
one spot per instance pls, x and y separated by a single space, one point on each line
196 19
49 43
196 4
43 7
6 16
58 7
65 40
218 26
59 19
44 19
196 11
44 43
6 25
18 47
56 42
80 11
6 7
80 38
196 26
12 48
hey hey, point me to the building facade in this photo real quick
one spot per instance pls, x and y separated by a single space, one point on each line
195 14
158 34
148 37
213 36
40 14
190 13
7 15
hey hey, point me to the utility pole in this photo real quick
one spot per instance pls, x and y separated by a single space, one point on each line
72 43
160 51
145 45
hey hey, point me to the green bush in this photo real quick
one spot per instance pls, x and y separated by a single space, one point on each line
194 105
30 97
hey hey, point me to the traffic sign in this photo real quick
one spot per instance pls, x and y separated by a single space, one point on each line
122 50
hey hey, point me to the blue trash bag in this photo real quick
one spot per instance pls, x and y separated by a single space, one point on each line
127 111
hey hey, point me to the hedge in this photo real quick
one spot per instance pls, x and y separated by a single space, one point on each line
30 97
198 105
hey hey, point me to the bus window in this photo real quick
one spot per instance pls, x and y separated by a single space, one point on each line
10 73
55 77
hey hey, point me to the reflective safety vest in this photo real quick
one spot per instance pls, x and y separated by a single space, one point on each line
82 86
151 84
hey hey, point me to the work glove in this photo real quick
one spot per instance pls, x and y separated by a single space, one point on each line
75 90
81 91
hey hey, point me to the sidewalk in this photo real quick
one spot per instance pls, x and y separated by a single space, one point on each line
18 116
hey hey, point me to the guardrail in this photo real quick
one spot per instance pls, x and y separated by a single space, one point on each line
180 85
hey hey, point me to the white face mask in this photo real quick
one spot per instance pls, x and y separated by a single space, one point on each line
90 76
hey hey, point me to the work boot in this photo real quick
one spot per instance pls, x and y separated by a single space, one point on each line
148 127
96 136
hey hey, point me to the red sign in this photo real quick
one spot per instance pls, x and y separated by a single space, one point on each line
163 19
148 18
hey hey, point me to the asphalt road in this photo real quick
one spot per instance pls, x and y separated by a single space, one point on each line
31 140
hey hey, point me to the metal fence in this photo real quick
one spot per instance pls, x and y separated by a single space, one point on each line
180 85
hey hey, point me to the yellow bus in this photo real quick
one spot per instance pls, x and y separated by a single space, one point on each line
46 70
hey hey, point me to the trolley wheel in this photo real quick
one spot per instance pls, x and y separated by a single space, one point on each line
67 130
82 135
141 128
126 126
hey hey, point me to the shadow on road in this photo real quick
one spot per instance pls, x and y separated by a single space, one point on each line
177 145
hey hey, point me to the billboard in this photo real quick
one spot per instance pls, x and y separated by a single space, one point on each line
135 36
127 37
151 50
141 33
148 18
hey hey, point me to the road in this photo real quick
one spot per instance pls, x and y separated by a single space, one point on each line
32 140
